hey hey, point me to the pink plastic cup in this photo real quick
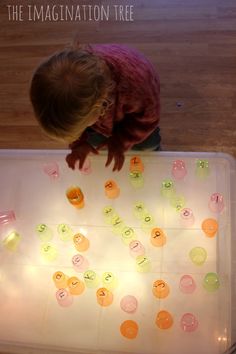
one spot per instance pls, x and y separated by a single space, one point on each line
64 298
187 217
187 284
80 263
129 304
7 217
188 322
52 170
136 248
216 203
178 169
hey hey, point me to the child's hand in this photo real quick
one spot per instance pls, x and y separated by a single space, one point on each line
114 152
80 153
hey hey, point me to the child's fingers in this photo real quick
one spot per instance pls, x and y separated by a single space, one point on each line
122 159
81 161
109 158
70 161
119 161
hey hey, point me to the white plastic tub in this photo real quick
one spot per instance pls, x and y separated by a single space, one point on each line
30 316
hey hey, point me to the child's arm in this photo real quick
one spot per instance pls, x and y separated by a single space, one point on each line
137 116
136 125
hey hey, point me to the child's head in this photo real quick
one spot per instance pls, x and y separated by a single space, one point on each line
69 92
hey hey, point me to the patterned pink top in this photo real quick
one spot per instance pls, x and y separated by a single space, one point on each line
136 112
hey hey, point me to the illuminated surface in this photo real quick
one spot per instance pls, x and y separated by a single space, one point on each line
72 317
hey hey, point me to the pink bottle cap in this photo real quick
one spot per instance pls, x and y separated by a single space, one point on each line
64 298
52 170
187 284
136 248
216 203
80 263
129 303
178 169
188 322
6 217
187 217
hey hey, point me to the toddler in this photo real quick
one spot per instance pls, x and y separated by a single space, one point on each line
99 96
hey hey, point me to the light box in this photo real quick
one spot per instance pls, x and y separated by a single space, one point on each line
151 273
